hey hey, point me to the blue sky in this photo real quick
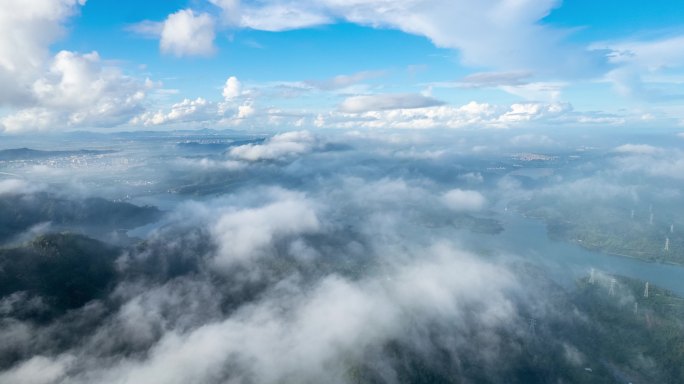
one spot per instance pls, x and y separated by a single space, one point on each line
126 65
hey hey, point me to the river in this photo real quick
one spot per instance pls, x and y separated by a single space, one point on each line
565 262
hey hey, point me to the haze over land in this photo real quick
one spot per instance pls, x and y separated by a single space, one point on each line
340 192
347 256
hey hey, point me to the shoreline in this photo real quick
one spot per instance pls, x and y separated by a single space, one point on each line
598 249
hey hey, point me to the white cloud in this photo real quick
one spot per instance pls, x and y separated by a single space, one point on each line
305 334
494 79
17 186
539 91
652 55
38 370
277 147
232 88
75 80
65 91
230 10
516 83
650 160
245 111
79 91
354 115
644 67
637 149
521 112
486 32
473 115
147 28
463 200
246 234
210 164
282 17
31 119
344 81
185 111
201 111
188 34
27 28
365 103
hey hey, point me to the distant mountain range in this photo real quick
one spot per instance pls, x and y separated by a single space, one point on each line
30 154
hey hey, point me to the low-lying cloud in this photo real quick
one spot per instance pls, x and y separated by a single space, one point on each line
243 234
278 147
463 201
280 260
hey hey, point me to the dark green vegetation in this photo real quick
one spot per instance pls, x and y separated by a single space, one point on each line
19 213
610 228
634 337
64 271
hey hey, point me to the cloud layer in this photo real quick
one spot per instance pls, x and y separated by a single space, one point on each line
369 255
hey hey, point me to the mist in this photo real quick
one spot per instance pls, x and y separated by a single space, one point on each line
335 257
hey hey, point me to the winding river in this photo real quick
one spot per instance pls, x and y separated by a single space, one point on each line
527 238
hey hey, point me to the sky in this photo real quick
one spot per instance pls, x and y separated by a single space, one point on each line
314 64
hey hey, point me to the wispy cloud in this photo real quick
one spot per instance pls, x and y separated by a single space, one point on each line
383 102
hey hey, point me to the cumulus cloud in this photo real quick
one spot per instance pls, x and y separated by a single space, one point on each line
532 111
278 147
366 103
357 112
26 31
67 90
245 111
79 91
186 33
185 111
232 88
236 107
463 200
473 114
